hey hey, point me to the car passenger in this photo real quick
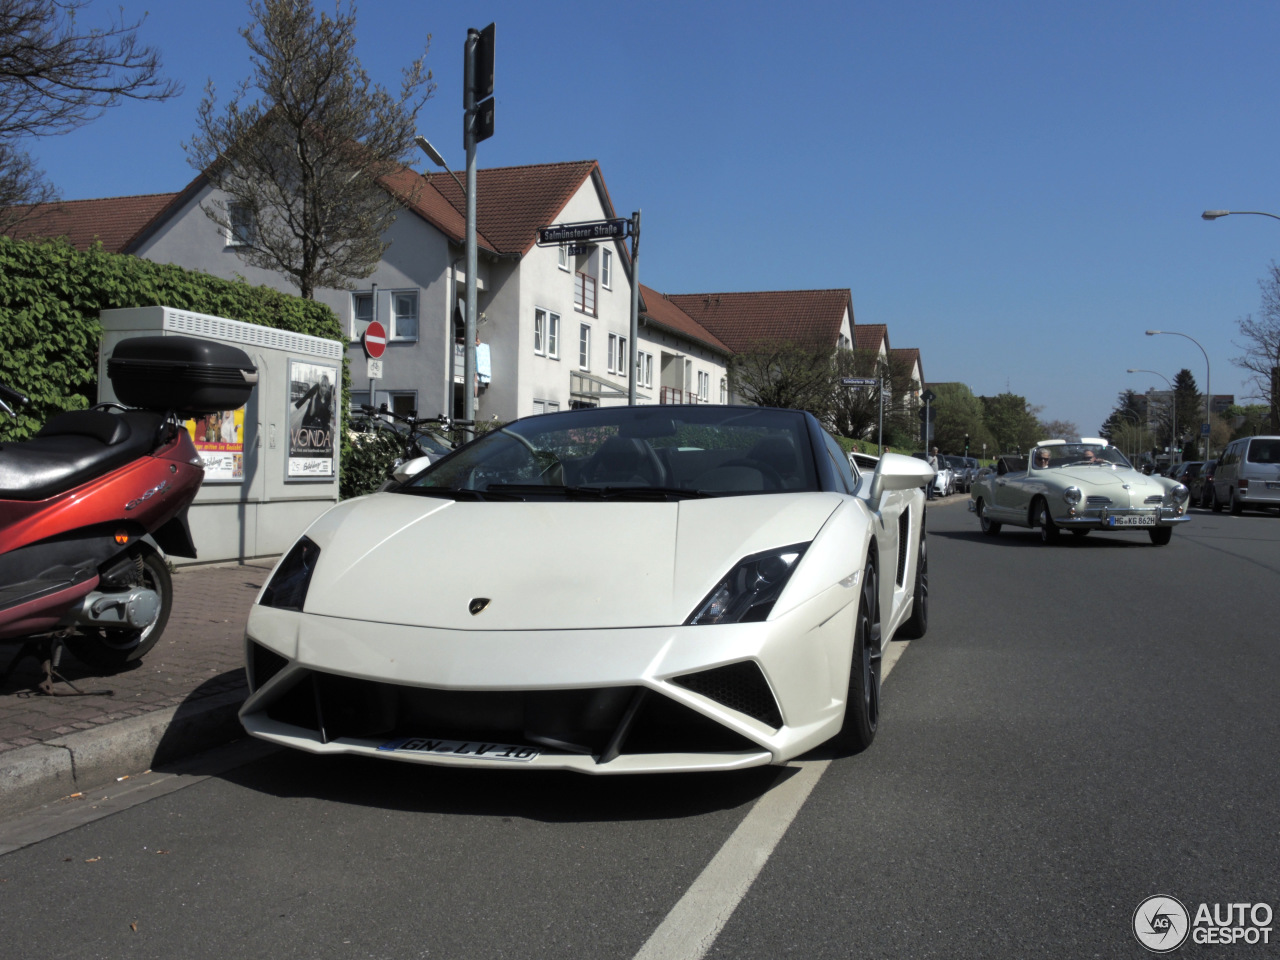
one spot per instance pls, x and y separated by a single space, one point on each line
1042 458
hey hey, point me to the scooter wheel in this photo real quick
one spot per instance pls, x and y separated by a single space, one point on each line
109 650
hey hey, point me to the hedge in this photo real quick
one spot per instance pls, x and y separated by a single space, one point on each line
50 296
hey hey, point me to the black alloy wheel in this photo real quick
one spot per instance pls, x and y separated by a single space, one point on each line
862 703
1160 535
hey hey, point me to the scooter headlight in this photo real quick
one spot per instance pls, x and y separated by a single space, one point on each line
287 589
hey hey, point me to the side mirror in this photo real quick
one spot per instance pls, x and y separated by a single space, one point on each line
896 472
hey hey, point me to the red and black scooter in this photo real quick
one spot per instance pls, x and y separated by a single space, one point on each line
91 504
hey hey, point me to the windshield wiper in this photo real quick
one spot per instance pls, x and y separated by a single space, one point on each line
603 492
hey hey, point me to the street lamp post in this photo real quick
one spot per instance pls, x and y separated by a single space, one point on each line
1173 402
1215 214
1208 393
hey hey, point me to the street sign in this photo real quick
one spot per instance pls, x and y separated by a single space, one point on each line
1204 429
932 414
559 233
928 396
577 249
858 381
374 368
374 339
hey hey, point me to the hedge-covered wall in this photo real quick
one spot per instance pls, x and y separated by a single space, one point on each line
50 295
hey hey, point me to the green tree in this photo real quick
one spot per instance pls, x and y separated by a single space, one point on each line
958 414
1012 421
1128 410
300 166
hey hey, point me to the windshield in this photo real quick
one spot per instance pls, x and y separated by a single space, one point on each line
668 452
1077 455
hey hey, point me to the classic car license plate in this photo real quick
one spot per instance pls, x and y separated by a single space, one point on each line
1134 520
469 749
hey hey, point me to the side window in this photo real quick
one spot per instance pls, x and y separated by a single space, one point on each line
404 316
841 462
606 268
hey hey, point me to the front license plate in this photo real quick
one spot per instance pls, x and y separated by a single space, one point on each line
1133 520
468 749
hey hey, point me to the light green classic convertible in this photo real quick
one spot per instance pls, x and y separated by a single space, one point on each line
1078 485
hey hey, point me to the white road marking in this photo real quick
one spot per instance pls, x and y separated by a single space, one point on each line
696 920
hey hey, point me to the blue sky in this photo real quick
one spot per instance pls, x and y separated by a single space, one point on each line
1014 188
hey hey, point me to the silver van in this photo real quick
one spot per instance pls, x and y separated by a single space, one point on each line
1248 475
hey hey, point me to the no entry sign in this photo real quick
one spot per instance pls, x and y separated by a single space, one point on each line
375 340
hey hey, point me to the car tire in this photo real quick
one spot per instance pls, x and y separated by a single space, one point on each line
1234 504
1214 503
918 623
1080 533
1160 535
1049 531
989 527
862 702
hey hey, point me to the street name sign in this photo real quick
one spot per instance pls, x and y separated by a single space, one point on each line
559 233
858 381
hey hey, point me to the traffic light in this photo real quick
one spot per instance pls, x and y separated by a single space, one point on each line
966 444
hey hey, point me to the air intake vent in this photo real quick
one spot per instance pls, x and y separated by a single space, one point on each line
1098 501
1154 498
738 686
904 535
263 664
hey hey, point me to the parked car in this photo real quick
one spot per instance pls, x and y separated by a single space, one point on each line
1202 486
1248 475
944 481
964 471
1186 471
473 616
1080 485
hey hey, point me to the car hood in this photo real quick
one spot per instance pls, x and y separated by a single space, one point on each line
1104 478
542 565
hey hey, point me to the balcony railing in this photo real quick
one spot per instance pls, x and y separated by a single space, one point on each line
584 293
676 395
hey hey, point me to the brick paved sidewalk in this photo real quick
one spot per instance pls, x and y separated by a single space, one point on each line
200 655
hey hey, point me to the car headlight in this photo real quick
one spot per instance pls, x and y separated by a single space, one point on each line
1072 495
288 587
1178 494
749 591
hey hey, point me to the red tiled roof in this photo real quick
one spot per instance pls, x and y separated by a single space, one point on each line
741 319
113 220
663 312
870 336
513 202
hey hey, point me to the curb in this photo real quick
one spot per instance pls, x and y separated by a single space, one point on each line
38 774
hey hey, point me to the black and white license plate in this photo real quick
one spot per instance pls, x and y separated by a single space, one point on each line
462 749
1133 520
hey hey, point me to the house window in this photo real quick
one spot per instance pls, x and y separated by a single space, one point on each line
584 346
563 257
553 335
546 406
242 232
704 387
606 269
584 293
540 332
724 390
361 310
404 315
644 370
617 354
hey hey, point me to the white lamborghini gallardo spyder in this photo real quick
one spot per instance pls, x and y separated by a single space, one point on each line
612 590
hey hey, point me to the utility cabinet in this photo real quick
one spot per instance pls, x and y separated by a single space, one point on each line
270 468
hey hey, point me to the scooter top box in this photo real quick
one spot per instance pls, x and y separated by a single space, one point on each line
188 376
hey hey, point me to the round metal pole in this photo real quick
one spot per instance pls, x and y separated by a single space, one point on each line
469 141
635 306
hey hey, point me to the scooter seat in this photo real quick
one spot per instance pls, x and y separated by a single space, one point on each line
75 447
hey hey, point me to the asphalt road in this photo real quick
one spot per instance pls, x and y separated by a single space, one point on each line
1084 726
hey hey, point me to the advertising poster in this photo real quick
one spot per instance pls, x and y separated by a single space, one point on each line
313 420
219 439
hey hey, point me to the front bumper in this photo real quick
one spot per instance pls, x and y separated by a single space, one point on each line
653 699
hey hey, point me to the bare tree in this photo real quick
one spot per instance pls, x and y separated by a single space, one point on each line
300 165
1060 429
1261 347
57 75
785 374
